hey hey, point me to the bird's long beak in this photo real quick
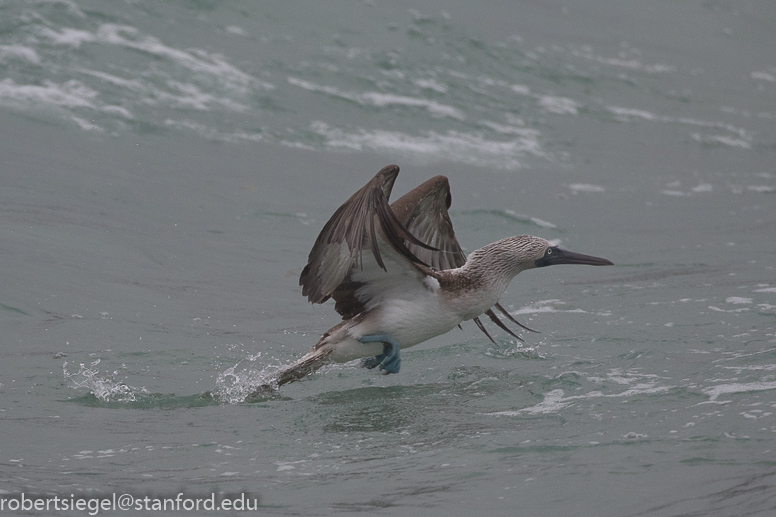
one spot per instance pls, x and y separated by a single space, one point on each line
556 255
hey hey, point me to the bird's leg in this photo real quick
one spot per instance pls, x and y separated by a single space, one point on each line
390 360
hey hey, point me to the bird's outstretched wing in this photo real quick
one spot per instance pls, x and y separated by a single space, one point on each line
354 227
417 228
423 211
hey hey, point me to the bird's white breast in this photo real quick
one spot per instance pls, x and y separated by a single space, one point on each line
413 320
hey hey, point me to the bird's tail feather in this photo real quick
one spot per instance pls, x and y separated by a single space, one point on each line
299 369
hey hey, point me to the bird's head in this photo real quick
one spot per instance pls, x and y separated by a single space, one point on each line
551 255
512 255
515 254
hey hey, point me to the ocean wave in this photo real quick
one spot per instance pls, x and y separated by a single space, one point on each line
464 147
714 392
10 53
381 100
545 306
70 94
742 138
621 61
213 65
439 95
555 400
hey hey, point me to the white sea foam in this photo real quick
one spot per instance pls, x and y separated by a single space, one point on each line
559 105
430 84
130 84
520 88
19 53
765 189
452 145
201 87
215 66
386 99
67 36
758 367
626 113
117 110
764 76
622 62
62 97
196 60
542 223
87 125
70 5
236 30
524 218
380 100
212 133
554 401
70 94
721 139
717 309
741 139
545 306
586 187
188 95
702 187
179 95
714 392
514 128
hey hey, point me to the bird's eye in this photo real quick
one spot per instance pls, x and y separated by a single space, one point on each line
549 251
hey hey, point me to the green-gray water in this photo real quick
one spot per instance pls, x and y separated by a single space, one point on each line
166 166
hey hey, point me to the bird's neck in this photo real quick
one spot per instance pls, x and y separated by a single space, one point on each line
495 262
481 281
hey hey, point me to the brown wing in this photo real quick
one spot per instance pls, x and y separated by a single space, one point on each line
417 226
353 228
423 211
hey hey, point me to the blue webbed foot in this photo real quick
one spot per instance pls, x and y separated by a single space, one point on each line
390 360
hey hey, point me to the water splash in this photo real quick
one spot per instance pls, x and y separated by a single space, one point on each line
515 350
242 383
105 389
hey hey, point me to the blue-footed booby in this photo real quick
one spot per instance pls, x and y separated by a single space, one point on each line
399 277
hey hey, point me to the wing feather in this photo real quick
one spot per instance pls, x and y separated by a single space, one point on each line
355 226
423 211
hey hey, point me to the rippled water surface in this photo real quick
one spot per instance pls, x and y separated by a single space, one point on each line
166 166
